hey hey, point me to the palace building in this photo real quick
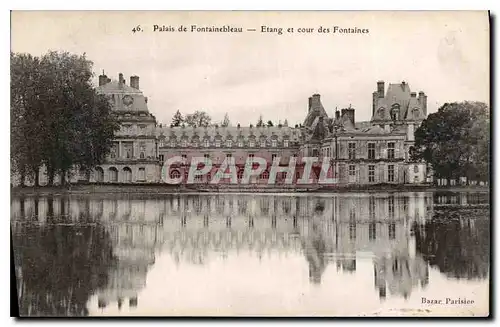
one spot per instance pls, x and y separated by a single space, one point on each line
355 153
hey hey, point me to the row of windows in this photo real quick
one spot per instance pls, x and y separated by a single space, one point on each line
391 146
228 143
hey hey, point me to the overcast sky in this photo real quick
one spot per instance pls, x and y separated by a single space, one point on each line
444 54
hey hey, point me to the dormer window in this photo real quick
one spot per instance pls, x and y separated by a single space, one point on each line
207 143
184 143
229 143
172 143
285 143
217 143
263 143
274 143
395 112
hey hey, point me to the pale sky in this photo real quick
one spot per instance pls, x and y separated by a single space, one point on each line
444 54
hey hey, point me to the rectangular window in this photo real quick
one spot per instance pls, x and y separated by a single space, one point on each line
251 143
371 173
352 150
229 143
229 155
371 150
352 170
263 143
274 143
162 158
251 155
206 157
392 231
371 208
184 158
273 156
207 143
184 143
390 173
390 150
391 207
240 143
415 169
285 143
172 143
372 231
217 143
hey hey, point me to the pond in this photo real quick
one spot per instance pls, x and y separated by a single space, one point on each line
345 254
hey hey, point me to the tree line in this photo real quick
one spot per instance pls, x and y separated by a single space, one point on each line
455 141
58 120
202 119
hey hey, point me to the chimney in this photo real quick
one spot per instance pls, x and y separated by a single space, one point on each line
121 80
374 102
134 82
103 79
403 85
422 99
337 114
315 102
413 94
380 89
310 104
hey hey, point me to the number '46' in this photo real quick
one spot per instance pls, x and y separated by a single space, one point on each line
137 29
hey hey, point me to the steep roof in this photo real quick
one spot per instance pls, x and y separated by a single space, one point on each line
280 132
114 87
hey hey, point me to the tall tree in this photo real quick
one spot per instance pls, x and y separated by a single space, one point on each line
177 120
198 119
455 141
58 119
226 121
260 122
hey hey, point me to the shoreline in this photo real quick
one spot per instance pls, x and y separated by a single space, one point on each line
156 189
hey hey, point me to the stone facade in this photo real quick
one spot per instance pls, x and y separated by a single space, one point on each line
357 153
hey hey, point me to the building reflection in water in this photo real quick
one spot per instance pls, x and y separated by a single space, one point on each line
329 229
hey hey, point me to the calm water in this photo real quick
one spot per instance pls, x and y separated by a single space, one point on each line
242 254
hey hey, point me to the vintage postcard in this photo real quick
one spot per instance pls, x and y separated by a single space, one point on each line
260 163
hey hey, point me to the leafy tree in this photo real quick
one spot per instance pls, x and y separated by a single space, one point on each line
198 119
260 122
177 120
225 122
269 123
455 141
58 119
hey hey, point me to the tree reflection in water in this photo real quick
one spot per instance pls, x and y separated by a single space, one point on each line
457 242
59 266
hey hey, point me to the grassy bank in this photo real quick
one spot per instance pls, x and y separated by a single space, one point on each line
175 189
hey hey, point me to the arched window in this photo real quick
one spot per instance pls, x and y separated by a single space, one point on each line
240 174
99 175
113 174
395 112
127 175
175 174
265 175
